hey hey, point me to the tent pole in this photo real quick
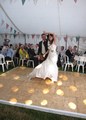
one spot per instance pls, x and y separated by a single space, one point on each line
24 38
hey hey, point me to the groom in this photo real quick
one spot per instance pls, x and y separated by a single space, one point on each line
43 47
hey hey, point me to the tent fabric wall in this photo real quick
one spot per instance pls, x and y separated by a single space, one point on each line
64 18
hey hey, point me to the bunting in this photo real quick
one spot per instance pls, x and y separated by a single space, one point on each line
77 38
11 29
7 26
23 1
75 1
35 1
14 33
33 35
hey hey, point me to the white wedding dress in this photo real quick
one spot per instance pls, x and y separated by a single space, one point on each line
48 68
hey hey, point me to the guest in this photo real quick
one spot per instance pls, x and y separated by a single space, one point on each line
69 53
10 53
32 55
23 53
4 50
61 56
75 51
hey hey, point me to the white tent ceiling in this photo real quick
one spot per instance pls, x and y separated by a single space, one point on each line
63 18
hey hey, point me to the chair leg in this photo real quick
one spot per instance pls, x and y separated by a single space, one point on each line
65 67
13 64
30 62
27 63
7 65
3 67
33 64
72 68
22 62
83 68
78 68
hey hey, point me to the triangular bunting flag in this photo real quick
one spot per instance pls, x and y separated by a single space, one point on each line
77 38
7 26
75 1
33 35
11 29
35 1
23 1
14 33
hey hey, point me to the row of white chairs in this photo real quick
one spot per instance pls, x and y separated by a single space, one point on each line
79 60
22 60
6 63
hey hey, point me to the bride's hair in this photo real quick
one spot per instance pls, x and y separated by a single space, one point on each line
51 41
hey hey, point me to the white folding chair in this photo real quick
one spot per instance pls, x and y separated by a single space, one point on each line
21 60
68 63
30 61
10 61
81 63
2 62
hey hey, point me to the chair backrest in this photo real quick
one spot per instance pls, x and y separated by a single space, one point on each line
76 58
2 58
66 59
81 60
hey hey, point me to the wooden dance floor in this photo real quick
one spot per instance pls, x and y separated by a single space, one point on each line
67 96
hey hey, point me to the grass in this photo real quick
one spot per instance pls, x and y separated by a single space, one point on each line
8 112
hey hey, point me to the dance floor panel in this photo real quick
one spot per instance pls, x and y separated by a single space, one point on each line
67 94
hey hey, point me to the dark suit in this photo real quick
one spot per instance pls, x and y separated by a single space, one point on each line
40 47
70 55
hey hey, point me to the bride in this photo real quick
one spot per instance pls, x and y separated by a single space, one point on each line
48 68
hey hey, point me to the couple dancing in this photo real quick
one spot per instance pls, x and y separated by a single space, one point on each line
48 68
